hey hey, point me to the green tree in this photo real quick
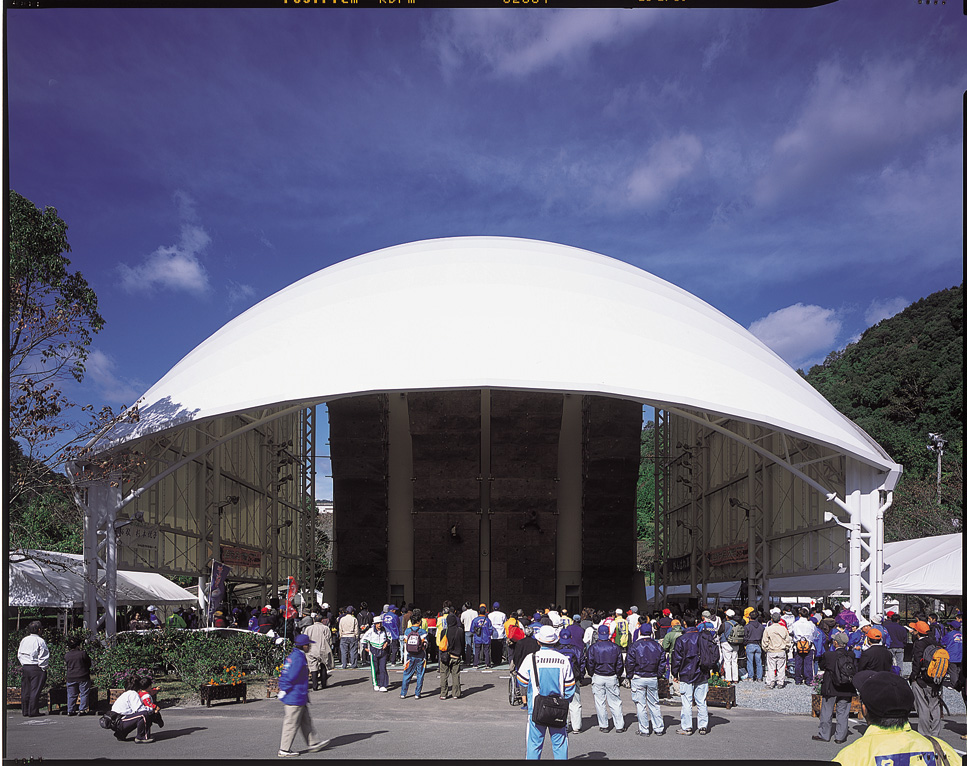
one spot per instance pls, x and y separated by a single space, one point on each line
52 317
901 381
645 497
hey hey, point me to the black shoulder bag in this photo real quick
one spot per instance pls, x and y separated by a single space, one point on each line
549 709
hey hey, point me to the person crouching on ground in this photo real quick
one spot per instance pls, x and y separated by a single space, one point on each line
294 695
378 642
887 699
134 714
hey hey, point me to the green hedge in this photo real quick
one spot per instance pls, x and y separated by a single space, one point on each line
193 656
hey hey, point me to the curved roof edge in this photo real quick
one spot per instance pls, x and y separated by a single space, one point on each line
492 312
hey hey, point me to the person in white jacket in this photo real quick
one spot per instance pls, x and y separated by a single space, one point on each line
134 715
34 656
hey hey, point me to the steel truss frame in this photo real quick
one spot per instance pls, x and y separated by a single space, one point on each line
227 479
723 482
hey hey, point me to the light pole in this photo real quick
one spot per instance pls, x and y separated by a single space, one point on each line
937 443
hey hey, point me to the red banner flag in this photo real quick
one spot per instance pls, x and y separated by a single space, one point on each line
290 610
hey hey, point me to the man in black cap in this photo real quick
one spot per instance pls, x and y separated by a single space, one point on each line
887 700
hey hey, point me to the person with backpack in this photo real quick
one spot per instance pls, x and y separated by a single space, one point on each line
391 626
839 667
753 647
776 641
414 649
929 668
603 663
729 648
695 655
805 636
482 631
450 641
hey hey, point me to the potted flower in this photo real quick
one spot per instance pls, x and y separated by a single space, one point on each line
228 683
721 693
272 683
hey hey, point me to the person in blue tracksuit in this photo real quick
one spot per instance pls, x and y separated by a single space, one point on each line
644 665
546 671
482 632
391 624
294 696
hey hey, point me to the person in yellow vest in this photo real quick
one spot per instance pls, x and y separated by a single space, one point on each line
887 699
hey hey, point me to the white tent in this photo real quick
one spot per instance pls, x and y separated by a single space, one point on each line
927 566
56 580
930 566
723 591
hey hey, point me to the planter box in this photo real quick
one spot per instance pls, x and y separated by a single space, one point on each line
272 687
721 696
59 697
210 694
718 696
13 696
854 706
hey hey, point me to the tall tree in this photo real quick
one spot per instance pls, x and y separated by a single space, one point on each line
52 317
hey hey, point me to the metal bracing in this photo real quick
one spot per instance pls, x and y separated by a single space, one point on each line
309 517
778 489
199 487
662 547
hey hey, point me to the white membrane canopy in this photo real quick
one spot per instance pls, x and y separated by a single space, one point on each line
496 312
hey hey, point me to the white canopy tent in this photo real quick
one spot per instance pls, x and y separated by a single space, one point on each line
927 566
56 580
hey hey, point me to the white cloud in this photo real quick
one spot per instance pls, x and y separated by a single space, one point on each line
798 333
520 44
853 122
173 267
880 310
668 162
101 370
239 293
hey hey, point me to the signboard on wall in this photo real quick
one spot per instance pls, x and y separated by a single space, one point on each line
241 557
139 536
728 554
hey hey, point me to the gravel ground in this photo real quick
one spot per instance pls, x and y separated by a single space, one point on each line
798 699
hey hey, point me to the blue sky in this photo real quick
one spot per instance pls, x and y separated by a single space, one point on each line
800 170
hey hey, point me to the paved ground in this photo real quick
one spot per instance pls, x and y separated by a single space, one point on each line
364 724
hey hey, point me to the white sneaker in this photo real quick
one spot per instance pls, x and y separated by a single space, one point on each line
317 747
383 689
288 753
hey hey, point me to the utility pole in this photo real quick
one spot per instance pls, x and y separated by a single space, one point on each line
937 443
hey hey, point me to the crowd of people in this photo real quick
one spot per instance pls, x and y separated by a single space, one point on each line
551 653
611 650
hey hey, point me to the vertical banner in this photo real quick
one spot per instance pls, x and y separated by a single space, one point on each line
290 610
216 588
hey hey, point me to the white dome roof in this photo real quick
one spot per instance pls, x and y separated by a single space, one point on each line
472 312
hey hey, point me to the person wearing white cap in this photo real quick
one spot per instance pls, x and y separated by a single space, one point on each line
377 641
544 672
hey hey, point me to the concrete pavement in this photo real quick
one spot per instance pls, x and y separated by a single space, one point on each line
364 724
